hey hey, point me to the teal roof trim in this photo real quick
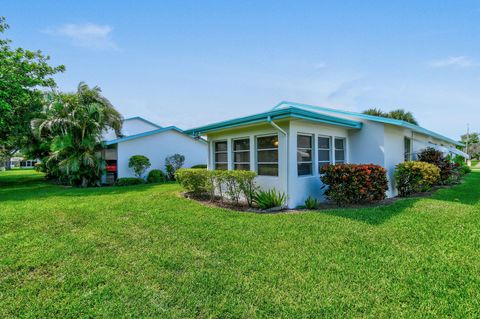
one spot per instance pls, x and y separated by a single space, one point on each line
142 119
413 127
131 137
290 112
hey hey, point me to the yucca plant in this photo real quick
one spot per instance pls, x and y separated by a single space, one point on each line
311 203
269 199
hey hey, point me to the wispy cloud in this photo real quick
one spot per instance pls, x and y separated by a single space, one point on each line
320 65
453 61
88 35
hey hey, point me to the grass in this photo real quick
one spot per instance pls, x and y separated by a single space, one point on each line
144 251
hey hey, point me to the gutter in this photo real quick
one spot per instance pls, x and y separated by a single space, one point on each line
275 125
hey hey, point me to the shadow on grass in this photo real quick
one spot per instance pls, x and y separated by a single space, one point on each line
34 187
467 193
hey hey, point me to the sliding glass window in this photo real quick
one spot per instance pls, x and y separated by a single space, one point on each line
267 155
304 155
221 155
241 154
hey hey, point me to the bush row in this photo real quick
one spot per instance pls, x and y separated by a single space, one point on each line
353 184
230 184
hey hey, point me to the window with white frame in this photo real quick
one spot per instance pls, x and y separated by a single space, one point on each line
267 155
407 144
304 154
339 150
241 154
324 151
221 155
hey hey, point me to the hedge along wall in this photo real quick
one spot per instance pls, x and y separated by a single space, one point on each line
236 186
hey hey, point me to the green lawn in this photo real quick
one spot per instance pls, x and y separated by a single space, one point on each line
144 251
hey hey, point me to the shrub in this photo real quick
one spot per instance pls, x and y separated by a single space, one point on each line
172 164
415 177
199 166
311 203
127 181
435 157
269 199
139 164
156 176
352 183
194 181
234 184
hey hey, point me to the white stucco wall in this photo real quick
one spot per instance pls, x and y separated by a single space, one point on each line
301 187
130 127
367 145
157 147
265 182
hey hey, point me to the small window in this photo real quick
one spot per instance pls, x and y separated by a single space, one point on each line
324 151
221 155
304 155
407 142
339 150
241 154
267 155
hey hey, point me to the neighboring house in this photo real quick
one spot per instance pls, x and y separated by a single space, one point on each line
142 137
20 162
288 145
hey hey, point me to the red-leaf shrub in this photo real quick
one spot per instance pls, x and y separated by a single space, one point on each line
352 183
435 157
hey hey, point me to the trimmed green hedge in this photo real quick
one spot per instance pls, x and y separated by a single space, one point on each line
227 184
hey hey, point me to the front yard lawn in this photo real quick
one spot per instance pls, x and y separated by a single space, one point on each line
145 251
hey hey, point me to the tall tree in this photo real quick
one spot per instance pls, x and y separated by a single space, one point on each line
24 75
74 123
399 114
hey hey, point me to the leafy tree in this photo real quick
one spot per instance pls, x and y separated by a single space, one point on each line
73 124
473 144
24 75
375 112
139 164
172 164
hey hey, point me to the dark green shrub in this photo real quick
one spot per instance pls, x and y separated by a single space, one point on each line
311 203
139 164
156 176
172 164
352 183
269 199
415 177
200 166
127 181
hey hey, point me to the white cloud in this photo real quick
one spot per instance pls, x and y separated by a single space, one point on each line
88 35
455 61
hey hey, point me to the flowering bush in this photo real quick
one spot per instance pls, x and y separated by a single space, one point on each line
415 177
352 183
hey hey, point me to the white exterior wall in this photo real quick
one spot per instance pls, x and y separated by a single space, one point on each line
265 182
367 145
394 153
157 147
301 187
131 127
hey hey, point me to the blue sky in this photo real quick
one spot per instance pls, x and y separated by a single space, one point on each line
189 63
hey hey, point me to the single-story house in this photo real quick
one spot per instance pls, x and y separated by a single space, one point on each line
288 145
143 137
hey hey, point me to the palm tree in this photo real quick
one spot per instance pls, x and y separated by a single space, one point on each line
375 112
401 114
74 123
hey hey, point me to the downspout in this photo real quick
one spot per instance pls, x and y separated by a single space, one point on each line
269 120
